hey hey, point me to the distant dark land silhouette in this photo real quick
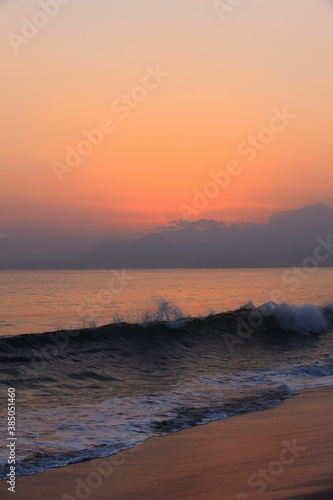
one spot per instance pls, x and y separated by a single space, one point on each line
286 240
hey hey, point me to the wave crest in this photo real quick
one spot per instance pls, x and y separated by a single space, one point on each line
303 319
165 325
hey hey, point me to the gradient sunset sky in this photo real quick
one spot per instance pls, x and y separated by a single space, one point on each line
225 78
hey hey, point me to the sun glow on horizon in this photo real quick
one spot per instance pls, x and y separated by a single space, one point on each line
139 103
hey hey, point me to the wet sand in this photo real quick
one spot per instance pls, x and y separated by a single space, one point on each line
283 453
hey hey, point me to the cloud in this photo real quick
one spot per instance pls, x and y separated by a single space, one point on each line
175 225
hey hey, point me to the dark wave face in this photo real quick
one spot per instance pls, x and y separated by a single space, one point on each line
105 389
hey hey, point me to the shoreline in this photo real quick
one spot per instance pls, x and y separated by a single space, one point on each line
281 453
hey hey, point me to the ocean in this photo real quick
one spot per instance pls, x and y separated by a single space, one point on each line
103 360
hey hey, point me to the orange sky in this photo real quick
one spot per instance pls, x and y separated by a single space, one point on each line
225 78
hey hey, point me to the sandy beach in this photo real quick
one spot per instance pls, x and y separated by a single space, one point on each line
282 453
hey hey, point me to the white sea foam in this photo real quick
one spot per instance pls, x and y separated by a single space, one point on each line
303 319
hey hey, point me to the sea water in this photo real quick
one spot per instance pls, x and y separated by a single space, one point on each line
179 348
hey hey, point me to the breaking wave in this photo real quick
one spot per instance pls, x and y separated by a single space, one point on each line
165 325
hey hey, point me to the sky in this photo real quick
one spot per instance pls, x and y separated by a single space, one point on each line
203 111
